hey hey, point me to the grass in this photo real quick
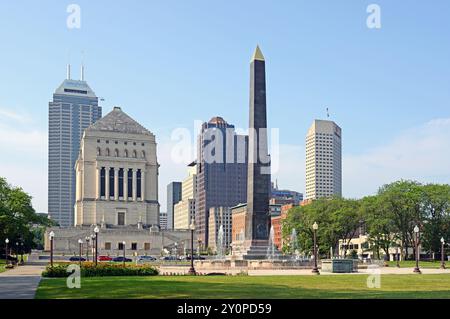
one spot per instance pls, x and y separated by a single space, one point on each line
249 287
412 264
2 265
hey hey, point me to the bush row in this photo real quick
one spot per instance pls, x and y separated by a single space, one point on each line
101 270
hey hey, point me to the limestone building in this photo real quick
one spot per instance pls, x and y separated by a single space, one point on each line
117 174
323 160
184 210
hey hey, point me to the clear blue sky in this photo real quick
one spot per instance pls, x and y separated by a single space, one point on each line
168 63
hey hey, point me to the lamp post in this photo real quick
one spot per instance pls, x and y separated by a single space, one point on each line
6 251
315 269
92 246
416 233
124 247
192 269
80 242
442 253
96 230
87 247
51 235
398 257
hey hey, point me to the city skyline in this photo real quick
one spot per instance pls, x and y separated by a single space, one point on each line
396 121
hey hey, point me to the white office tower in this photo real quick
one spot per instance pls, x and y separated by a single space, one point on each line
323 160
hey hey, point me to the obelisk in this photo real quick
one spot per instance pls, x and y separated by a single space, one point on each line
258 216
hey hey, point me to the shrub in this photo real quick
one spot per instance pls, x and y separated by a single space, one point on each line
101 270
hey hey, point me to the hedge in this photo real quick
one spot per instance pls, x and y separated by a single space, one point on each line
101 270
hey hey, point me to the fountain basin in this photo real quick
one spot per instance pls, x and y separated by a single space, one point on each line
246 264
340 266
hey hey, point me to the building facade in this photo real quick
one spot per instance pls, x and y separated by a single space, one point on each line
323 160
117 174
173 197
221 171
184 210
284 196
163 220
219 216
73 109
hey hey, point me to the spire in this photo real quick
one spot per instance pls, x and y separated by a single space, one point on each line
68 72
257 55
82 72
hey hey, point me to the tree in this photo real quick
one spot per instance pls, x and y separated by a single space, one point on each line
436 216
403 200
18 217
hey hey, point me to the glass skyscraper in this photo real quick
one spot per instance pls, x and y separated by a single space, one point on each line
73 109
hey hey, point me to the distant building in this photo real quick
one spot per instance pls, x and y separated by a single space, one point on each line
184 210
277 222
323 160
221 171
163 220
173 197
219 216
73 109
117 174
284 196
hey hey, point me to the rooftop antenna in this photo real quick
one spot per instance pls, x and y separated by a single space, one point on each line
68 66
82 65
328 113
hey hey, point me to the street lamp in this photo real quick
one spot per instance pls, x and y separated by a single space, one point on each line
6 251
416 232
442 253
192 228
21 254
92 246
51 236
123 246
398 257
96 230
315 269
87 247
80 242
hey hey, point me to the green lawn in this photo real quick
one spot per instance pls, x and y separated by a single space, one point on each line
2 265
247 287
412 264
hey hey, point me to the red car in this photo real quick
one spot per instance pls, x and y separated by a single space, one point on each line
104 258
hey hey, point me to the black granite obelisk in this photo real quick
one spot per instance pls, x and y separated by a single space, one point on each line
258 216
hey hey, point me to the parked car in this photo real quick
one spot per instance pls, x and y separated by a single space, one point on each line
121 259
104 258
169 258
196 257
77 258
146 258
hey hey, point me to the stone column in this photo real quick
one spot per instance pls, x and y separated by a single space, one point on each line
116 184
97 183
143 185
125 184
106 182
134 185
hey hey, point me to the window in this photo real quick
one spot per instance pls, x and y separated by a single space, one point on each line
121 219
111 182
120 246
102 182
146 246
121 182
133 246
99 152
116 152
126 153
134 154
107 152
138 183
107 246
130 183
143 154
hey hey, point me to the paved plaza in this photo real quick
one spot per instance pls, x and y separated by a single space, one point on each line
20 282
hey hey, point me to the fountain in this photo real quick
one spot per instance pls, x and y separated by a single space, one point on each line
220 245
294 245
271 248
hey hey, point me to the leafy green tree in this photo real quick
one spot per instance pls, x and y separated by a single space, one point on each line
436 216
18 218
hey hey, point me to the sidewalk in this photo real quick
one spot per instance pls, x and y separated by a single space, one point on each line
20 282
